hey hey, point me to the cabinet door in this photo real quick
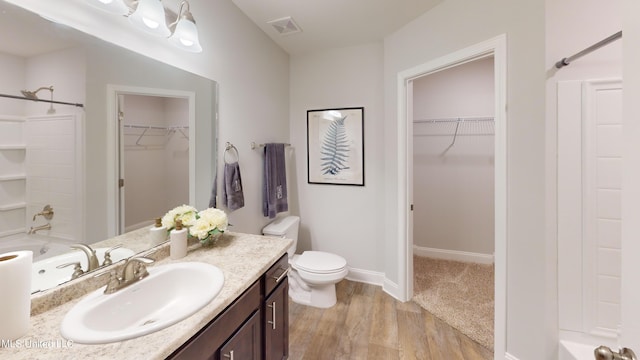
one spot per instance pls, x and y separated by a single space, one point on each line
276 325
245 343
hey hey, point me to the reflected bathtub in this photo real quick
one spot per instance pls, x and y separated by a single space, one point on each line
570 350
42 246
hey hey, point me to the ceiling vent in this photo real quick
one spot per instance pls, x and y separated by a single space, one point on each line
285 26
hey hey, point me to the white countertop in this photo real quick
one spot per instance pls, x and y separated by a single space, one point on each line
243 258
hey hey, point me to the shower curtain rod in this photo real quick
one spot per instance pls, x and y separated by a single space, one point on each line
566 61
41 100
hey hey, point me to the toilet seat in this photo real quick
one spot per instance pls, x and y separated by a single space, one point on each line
319 262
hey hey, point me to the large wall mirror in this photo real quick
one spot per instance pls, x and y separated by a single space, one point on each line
141 120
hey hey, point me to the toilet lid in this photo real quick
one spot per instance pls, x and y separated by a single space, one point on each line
320 262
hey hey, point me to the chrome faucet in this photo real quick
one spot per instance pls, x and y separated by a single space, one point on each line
92 259
134 270
33 230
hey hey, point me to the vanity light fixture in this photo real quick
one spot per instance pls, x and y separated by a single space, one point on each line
150 17
184 32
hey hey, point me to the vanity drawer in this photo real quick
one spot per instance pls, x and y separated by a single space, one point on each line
205 344
276 274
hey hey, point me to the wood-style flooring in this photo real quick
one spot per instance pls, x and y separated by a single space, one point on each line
367 323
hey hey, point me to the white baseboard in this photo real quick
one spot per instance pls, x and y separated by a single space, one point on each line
392 289
508 356
366 276
453 255
375 278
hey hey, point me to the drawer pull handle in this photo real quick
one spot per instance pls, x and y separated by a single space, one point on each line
273 315
229 355
281 276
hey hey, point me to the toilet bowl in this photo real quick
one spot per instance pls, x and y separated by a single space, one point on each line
314 274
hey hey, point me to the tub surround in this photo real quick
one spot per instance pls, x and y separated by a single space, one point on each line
243 258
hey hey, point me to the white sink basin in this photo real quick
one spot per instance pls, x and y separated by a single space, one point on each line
169 294
45 273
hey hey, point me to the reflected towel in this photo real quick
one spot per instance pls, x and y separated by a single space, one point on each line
232 194
274 189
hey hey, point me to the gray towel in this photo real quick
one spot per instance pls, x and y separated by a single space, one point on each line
232 194
274 189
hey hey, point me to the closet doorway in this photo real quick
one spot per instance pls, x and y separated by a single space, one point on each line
154 169
494 50
453 196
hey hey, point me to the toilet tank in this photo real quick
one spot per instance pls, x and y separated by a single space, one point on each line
286 227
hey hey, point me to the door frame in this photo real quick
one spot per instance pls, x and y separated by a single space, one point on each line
497 47
114 145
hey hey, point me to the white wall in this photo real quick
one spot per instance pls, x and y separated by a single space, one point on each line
12 72
251 70
450 26
177 153
453 185
65 70
346 220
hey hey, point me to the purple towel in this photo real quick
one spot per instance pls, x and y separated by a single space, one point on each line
232 194
274 189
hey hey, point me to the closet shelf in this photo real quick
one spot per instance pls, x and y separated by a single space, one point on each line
12 177
155 131
462 126
454 120
16 206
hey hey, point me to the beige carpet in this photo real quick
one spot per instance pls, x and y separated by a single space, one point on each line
461 294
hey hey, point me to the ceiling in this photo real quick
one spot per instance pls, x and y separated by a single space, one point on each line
333 23
324 23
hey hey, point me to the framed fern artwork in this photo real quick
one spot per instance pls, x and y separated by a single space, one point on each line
335 146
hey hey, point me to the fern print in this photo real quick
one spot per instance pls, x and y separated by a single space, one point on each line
335 148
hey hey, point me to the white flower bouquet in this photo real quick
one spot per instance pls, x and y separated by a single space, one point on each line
208 224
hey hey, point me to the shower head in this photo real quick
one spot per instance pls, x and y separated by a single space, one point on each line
32 94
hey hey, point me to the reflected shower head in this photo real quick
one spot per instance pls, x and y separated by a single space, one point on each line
32 94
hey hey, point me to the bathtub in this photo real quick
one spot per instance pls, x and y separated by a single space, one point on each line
42 246
582 350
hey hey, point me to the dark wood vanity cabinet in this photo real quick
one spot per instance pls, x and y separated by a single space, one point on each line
276 311
276 324
254 327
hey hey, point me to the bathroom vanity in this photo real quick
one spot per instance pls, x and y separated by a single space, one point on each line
248 319
260 313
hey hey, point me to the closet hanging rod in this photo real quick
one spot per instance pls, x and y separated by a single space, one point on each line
453 120
41 100
566 61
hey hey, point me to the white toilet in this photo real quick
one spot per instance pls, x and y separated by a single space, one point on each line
314 274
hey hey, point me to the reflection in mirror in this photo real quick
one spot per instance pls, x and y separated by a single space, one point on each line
68 157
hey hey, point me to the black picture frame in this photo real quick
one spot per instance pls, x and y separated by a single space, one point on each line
335 146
